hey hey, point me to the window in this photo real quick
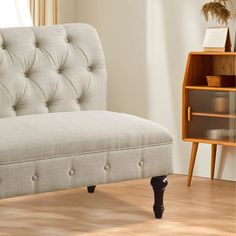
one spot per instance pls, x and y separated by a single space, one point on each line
14 13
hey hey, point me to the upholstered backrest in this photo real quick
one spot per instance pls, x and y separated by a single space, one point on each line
51 69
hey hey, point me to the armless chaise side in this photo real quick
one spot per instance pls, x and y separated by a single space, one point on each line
55 131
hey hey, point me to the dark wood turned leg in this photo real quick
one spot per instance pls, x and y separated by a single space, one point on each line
158 184
91 189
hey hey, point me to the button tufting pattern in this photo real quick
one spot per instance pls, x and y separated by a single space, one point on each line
106 167
35 178
71 172
141 163
54 55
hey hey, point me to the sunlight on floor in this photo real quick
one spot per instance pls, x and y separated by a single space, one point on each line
207 208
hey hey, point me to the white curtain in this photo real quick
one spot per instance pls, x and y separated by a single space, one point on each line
14 13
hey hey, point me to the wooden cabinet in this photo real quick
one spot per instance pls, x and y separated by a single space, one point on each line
209 113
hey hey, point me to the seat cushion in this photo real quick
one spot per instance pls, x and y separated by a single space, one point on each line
46 136
49 152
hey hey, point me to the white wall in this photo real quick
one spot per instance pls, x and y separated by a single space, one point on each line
120 25
146 43
68 11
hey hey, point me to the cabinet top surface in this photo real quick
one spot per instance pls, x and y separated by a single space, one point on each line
214 53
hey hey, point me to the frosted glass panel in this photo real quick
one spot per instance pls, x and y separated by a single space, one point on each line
212 115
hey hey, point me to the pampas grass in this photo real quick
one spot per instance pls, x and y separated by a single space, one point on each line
218 10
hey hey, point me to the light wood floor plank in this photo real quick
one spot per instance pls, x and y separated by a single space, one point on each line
207 208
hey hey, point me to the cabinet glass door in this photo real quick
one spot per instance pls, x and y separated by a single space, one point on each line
211 115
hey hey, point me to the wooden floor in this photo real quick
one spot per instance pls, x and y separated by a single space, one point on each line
207 208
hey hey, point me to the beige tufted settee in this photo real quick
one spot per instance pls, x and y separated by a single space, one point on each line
55 132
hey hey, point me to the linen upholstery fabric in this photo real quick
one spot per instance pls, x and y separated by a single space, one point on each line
55 132
51 69
63 150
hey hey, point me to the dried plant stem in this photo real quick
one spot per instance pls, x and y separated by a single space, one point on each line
218 10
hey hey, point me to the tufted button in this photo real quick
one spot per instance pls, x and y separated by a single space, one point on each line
89 68
26 74
67 40
46 104
35 178
71 172
13 108
106 167
77 100
36 44
141 163
58 71
2 46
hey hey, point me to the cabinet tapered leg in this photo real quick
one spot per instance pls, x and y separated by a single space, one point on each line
192 162
213 159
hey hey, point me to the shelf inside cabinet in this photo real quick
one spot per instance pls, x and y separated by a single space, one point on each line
211 141
217 115
226 89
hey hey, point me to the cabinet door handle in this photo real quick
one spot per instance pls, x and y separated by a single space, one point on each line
189 113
